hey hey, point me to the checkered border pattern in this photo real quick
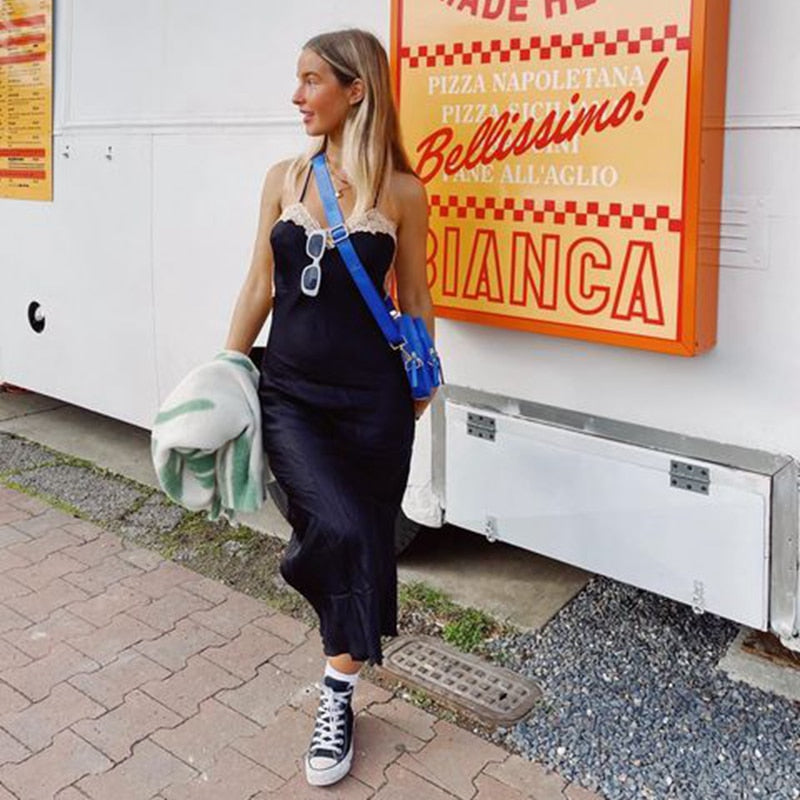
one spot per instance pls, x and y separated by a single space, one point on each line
22 22
569 212
609 43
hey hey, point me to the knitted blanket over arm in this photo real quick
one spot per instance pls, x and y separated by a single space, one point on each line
206 440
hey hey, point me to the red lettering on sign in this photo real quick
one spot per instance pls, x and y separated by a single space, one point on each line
432 250
514 10
586 292
591 279
452 259
518 10
639 293
542 280
497 138
484 278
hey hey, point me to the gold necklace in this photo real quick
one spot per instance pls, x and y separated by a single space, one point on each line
344 183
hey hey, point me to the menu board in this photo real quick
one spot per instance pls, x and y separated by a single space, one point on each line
26 92
566 146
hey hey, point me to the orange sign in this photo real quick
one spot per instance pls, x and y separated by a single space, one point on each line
26 99
560 143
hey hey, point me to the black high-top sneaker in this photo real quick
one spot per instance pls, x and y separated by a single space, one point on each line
331 751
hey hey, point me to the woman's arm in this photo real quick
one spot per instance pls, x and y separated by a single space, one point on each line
255 297
411 267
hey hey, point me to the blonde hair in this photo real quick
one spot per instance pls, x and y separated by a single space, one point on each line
371 146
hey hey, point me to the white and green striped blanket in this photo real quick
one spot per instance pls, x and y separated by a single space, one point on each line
206 440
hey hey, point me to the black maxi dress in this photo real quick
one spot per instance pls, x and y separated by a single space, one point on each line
338 427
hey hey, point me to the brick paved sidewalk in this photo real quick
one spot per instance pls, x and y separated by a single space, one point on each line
126 676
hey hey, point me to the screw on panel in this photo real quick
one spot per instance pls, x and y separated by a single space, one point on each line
110 153
490 528
698 598
65 151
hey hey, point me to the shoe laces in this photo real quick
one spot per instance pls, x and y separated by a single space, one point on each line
329 726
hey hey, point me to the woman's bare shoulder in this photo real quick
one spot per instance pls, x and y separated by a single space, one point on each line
407 192
407 186
276 174
276 180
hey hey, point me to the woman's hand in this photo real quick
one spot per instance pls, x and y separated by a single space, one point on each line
421 405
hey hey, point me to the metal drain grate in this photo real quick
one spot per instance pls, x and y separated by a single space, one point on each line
492 694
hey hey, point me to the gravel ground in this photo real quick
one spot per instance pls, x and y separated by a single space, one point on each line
17 454
634 706
155 516
103 498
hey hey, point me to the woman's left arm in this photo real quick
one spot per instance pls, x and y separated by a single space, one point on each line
411 268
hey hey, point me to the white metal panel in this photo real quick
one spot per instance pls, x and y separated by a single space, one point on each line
184 61
28 253
239 59
764 63
62 37
742 239
115 57
609 508
86 259
205 216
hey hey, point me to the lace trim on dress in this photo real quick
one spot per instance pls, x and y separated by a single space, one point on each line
370 221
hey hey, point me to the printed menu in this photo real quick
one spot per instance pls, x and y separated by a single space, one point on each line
26 91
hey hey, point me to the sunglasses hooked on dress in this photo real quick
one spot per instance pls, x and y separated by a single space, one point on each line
311 276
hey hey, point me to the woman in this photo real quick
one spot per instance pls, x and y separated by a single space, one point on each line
338 417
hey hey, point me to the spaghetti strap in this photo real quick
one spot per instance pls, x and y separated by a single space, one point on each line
305 184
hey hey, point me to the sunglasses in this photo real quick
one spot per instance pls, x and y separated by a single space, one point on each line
311 277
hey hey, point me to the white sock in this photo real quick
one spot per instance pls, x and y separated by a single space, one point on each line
340 676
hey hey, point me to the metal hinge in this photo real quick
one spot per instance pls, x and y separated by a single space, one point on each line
482 427
690 477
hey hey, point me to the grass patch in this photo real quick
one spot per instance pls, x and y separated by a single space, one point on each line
469 630
241 557
427 610
418 596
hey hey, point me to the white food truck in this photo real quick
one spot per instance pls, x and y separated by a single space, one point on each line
677 473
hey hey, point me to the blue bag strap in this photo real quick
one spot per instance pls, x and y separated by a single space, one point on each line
381 309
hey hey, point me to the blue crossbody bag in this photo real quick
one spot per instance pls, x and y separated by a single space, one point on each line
403 332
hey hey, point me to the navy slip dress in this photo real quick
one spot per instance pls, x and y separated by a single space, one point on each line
338 426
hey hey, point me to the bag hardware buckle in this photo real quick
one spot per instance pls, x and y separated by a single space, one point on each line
338 233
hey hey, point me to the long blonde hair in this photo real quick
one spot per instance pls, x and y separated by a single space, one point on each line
371 146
